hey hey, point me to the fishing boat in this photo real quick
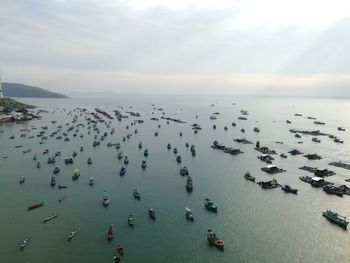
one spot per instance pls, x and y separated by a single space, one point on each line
120 155
136 194
152 213
91 181
74 154
184 171
56 170
122 170
247 176
89 161
81 148
289 189
21 181
76 174
110 233
189 184
116 259
34 206
209 204
34 157
53 181
63 197
117 146
145 153
175 150
178 158
25 242
120 250
62 186
126 160
187 145
214 240
143 164
336 218
50 217
38 165
169 146
140 145
188 214
72 234
131 220
105 199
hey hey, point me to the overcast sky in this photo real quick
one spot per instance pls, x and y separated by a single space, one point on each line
282 47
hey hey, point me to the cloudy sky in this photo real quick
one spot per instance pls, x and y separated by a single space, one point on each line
282 47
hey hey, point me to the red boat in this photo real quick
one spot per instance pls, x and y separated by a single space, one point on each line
31 207
110 233
214 240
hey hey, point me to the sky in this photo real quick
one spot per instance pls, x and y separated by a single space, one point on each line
239 47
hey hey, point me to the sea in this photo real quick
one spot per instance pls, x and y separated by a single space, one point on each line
257 225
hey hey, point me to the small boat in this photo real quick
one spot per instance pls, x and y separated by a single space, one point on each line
25 242
38 165
120 155
314 139
188 214
34 157
81 148
143 164
126 160
189 184
136 194
175 150
336 218
152 213
209 204
184 171
72 234
50 217
105 199
76 174
62 198
120 250
247 176
74 154
110 233
122 170
289 189
187 145
168 146
34 206
91 181
117 146
116 259
89 161
131 221
62 186
145 153
178 158
21 181
56 170
214 240
53 181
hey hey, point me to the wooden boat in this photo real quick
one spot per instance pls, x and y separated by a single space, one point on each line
214 240
21 181
136 194
209 204
105 199
61 186
131 220
336 218
120 250
53 181
25 242
188 214
247 176
50 217
110 233
72 234
34 206
289 189
152 213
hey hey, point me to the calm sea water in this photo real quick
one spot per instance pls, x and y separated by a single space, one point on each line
257 225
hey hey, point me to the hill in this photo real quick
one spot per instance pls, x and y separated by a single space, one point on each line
21 90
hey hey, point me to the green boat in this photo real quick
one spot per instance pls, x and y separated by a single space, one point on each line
145 153
210 205
247 176
336 218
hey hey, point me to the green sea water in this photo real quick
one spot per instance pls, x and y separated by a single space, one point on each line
257 225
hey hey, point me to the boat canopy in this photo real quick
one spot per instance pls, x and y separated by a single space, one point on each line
271 166
317 179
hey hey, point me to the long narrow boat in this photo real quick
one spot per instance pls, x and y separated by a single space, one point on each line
50 217
72 234
110 233
25 242
34 206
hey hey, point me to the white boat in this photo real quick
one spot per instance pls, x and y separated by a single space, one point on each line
91 181
188 214
72 234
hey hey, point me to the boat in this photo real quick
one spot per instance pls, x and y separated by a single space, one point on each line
145 153
188 214
117 146
184 171
56 170
63 197
269 184
152 213
136 194
143 164
76 174
247 176
126 160
187 145
120 155
140 145
209 204
336 218
122 170
89 161
74 154
105 199
62 186
272 169
81 148
25 242
175 150
110 233
189 184
289 189
50 217
178 158
91 181
116 259
314 139
168 146
53 181
34 206
38 165
21 181
214 240
72 234
212 117
131 221
120 249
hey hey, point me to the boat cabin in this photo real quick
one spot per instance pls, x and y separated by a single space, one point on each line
317 181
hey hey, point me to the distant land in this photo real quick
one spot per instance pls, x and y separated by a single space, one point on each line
25 91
